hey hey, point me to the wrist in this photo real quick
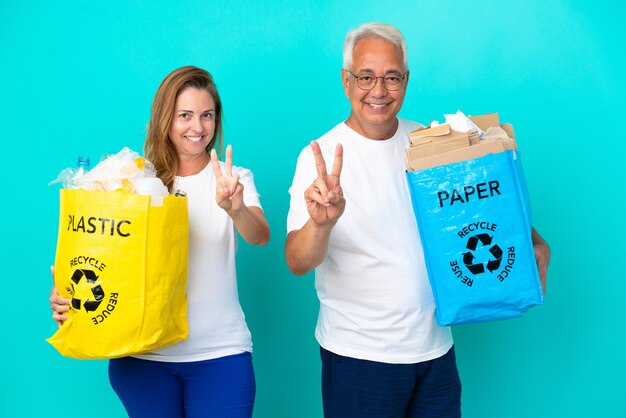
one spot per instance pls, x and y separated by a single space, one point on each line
236 213
321 228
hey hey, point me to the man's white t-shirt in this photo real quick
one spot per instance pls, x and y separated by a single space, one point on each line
217 325
376 302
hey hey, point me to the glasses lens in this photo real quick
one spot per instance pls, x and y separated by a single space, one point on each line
393 81
366 81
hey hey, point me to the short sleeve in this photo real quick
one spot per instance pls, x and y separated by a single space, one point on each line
250 194
304 176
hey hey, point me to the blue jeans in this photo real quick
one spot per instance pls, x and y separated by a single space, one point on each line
364 389
222 387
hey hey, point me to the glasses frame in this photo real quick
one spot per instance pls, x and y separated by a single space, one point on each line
382 80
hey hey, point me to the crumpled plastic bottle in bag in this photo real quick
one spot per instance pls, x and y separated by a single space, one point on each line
123 171
69 176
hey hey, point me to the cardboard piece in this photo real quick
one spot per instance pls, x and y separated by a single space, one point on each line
425 135
462 154
486 121
441 145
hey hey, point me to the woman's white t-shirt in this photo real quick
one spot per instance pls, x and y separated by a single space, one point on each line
217 325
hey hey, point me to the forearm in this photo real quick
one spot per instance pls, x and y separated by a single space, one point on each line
306 248
542 255
537 239
251 225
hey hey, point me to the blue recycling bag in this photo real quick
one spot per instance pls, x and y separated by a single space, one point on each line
475 225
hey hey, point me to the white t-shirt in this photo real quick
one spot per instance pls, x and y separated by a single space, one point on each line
217 325
375 299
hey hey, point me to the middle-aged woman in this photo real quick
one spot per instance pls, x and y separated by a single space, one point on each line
211 373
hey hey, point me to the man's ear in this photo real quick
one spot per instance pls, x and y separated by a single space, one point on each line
345 79
406 83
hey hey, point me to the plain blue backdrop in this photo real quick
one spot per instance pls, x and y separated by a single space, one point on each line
78 77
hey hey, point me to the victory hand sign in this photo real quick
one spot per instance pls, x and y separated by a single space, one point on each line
324 198
249 221
229 193
306 248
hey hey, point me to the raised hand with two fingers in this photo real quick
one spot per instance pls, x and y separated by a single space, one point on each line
324 198
229 193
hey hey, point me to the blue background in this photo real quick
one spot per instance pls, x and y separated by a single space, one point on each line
78 77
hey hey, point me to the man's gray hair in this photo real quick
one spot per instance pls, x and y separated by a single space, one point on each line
373 30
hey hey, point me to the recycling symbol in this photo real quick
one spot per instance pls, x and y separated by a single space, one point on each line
85 290
469 258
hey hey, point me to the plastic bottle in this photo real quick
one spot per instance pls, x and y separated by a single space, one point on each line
68 177
82 166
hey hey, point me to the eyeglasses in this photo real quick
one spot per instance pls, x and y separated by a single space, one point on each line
391 81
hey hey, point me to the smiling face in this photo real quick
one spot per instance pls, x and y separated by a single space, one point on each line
193 124
373 113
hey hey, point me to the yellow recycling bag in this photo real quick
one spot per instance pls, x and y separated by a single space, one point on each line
122 261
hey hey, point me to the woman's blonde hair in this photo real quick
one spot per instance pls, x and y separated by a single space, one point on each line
158 148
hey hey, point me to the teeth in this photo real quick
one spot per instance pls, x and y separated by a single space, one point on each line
194 138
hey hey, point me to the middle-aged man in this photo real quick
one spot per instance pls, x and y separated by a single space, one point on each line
383 355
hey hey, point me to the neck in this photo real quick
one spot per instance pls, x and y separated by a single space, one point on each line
190 165
373 132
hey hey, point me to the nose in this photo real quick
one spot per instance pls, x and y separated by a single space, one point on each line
379 89
196 124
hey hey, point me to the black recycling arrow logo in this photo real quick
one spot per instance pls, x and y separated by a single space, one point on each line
469 259
84 287
474 268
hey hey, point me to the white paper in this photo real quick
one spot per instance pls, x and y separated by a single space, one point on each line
461 123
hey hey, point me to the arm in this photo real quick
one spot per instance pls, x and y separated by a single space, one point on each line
306 248
249 221
542 255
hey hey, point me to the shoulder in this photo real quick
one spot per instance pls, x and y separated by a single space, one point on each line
244 173
327 142
409 125
241 170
